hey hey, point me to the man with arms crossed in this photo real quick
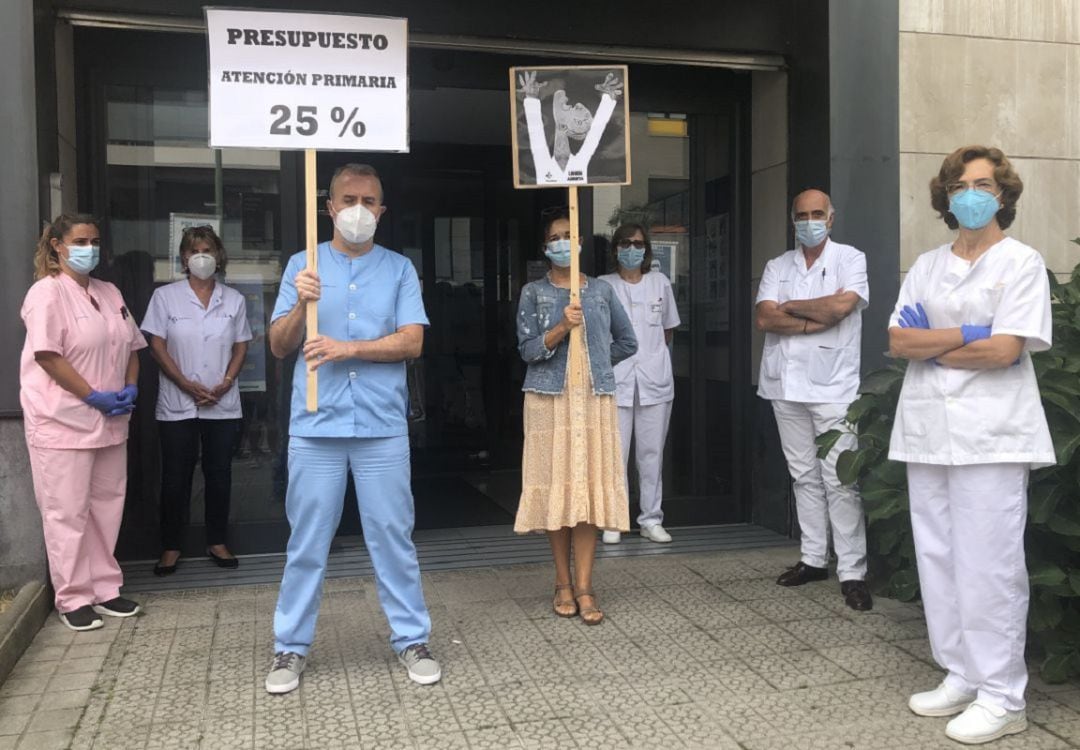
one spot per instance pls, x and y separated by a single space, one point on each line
810 305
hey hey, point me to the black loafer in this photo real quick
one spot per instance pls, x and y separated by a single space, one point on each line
801 573
223 562
857 595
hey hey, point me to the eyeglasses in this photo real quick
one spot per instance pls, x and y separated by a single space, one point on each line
636 244
984 185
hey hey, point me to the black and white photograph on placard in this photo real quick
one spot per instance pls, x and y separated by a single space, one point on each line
570 126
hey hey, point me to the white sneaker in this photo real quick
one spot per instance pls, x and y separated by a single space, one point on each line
941 701
984 722
612 537
655 533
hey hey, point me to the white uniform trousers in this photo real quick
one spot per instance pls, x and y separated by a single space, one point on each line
649 427
820 498
968 523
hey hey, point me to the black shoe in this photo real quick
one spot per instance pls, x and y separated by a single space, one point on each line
166 570
801 573
857 595
223 562
83 618
118 607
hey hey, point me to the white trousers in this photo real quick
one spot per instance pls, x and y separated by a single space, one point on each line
649 427
968 523
820 498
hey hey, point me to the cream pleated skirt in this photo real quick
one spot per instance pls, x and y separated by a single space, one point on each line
571 467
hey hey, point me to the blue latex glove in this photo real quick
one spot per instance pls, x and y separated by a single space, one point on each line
120 411
914 318
127 395
974 333
104 402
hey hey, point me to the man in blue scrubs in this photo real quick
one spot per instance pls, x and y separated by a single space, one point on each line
371 320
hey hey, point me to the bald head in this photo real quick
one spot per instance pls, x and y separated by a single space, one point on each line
811 204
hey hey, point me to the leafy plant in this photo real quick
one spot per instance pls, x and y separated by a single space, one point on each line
1053 530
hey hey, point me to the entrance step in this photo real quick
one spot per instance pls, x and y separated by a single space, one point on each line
445 549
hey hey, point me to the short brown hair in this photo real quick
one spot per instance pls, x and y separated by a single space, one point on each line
46 261
625 232
953 168
356 170
204 233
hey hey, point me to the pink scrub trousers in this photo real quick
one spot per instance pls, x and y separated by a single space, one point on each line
80 492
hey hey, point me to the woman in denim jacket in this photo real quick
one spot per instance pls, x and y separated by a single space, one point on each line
572 475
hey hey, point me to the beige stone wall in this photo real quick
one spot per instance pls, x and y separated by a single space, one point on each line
995 72
768 181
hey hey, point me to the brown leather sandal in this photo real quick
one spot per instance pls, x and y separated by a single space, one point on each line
560 602
589 615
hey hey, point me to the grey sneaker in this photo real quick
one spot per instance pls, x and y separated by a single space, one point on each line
423 669
285 672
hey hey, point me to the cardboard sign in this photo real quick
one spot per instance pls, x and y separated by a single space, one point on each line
322 81
570 126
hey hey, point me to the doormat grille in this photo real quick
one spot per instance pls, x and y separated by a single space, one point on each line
445 549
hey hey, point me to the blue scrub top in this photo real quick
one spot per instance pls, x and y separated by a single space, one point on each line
363 299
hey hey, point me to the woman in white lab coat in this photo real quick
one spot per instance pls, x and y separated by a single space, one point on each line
645 385
970 425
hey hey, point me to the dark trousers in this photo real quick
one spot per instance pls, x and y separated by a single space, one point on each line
180 442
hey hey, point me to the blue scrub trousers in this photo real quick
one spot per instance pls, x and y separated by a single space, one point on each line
313 503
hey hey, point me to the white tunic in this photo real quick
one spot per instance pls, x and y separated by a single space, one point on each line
817 368
953 416
651 306
200 342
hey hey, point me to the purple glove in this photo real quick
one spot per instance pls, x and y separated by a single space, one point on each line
104 402
914 318
121 410
127 395
974 333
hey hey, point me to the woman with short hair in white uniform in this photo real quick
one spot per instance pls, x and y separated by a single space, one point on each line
199 332
644 383
970 425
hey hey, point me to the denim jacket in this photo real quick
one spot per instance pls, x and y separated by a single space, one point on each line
609 335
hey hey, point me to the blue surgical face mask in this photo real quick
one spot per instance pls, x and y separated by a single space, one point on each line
974 209
83 258
558 252
631 257
811 232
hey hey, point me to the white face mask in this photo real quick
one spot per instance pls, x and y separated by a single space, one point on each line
202 265
356 224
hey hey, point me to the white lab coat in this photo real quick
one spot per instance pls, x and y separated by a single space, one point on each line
652 310
955 417
645 385
970 438
199 340
820 367
548 171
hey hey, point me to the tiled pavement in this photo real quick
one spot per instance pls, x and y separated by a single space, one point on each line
699 650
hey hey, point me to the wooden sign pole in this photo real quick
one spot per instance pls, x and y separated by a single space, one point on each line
310 201
576 341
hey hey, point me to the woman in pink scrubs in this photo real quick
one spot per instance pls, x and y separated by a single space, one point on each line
77 376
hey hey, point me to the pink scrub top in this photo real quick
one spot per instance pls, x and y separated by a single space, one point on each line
97 343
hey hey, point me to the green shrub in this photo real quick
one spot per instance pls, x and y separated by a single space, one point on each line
1053 530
